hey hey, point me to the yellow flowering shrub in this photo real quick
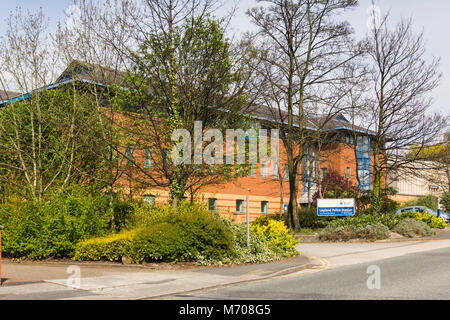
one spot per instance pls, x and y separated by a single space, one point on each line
110 248
275 233
429 219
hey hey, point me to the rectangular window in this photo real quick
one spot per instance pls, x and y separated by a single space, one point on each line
349 140
263 170
252 170
324 173
129 153
240 206
347 174
150 200
286 172
275 171
264 207
212 204
148 157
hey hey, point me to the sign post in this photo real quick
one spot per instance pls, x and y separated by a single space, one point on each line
248 224
335 207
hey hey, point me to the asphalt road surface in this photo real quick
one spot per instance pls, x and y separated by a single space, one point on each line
422 275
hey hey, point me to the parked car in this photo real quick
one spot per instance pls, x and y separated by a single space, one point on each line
444 215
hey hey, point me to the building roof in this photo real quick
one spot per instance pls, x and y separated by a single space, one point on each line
314 122
97 74
79 70
7 94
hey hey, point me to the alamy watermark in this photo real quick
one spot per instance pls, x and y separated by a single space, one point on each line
374 280
74 280
238 145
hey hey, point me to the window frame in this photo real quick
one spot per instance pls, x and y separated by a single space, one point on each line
151 196
266 211
215 204
241 201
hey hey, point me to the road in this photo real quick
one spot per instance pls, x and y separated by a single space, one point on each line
418 275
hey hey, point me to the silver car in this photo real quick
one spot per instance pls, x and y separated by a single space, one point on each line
444 215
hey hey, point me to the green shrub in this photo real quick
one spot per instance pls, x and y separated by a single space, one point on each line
431 220
445 201
364 220
260 250
124 212
373 232
409 228
308 218
53 227
428 201
263 220
388 206
191 233
182 234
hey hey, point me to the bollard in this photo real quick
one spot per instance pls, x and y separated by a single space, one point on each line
1 227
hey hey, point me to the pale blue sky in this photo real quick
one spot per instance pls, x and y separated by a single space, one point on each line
432 16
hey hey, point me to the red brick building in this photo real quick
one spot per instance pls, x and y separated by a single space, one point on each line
267 185
268 189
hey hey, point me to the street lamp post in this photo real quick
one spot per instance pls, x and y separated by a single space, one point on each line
248 221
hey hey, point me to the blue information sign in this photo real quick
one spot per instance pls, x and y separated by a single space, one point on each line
335 207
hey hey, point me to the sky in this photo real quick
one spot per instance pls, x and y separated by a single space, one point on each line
430 16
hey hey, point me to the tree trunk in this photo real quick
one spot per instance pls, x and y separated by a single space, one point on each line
293 221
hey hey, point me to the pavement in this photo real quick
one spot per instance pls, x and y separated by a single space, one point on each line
69 281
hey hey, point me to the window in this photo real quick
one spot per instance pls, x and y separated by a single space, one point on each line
349 139
264 206
363 143
324 173
212 204
240 206
347 174
309 170
263 170
364 172
129 153
275 171
252 170
286 172
149 199
148 157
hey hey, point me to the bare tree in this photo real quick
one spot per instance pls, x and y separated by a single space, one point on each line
28 64
96 67
401 83
179 68
304 49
